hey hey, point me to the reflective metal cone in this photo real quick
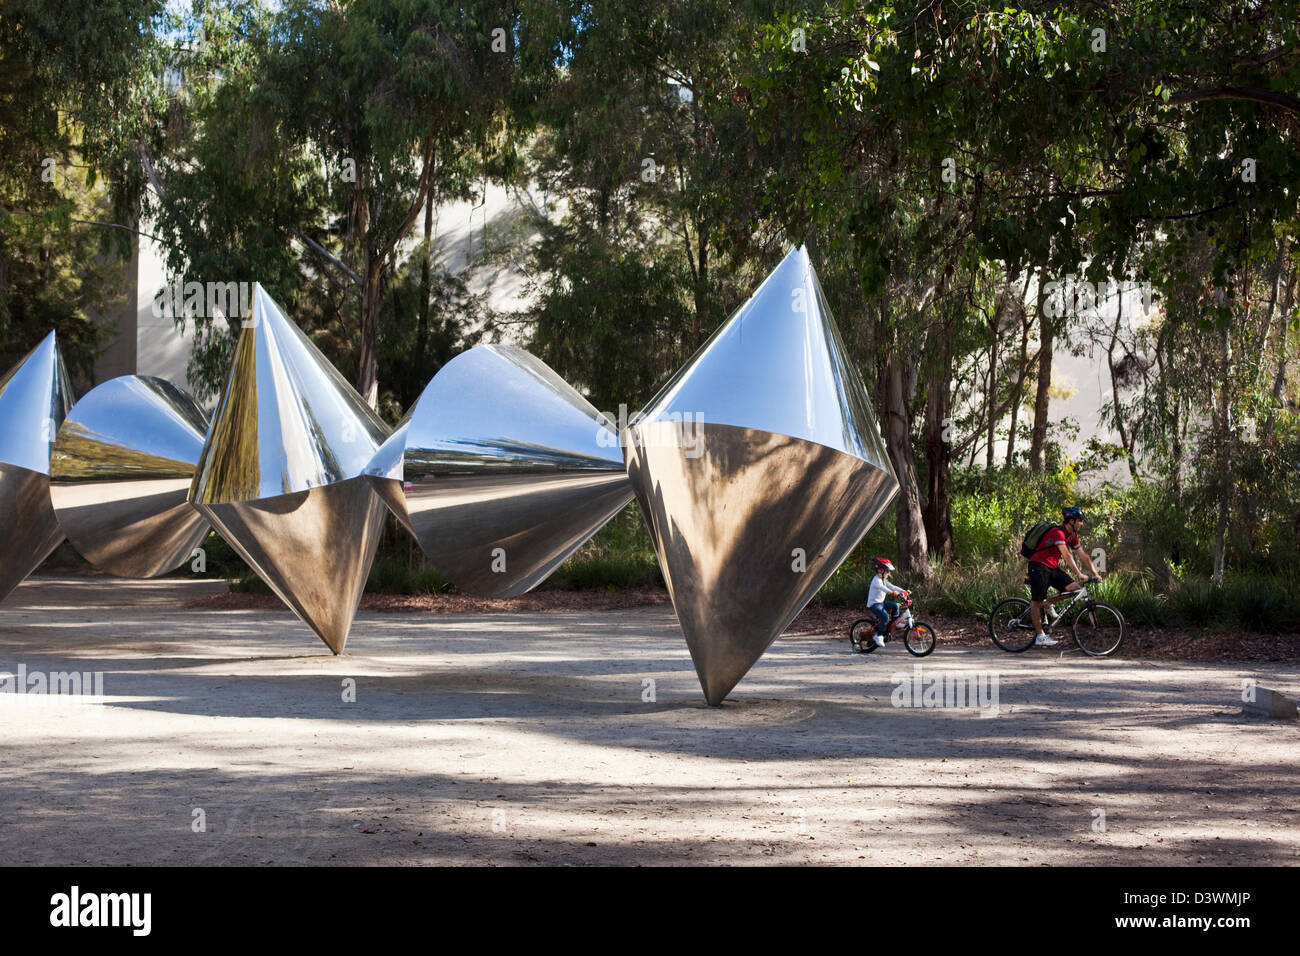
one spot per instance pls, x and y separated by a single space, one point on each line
759 467
501 471
120 476
35 396
281 476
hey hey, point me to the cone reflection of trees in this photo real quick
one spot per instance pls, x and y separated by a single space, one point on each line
120 476
500 471
35 397
759 467
281 476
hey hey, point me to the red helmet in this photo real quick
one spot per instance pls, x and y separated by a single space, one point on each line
883 564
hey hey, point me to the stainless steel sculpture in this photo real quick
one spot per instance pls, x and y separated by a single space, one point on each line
282 474
34 399
501 471
120 476
752 510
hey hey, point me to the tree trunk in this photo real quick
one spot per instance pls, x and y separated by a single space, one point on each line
990 388
702 319
1022 367
1042 400
912 545
938 453
372 301
1225 458
426 265
1176 483
372 283
1126 440
1278 390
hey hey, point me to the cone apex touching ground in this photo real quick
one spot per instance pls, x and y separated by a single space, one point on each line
282 473
35 397
758 467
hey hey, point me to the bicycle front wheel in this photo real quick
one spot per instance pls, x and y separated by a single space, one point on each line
1098 630
1010 626
920 639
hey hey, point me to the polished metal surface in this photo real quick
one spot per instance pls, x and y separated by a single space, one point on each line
758 467
779 364
281 473
313 548
28 529
386 468
34 399
505 470
120 476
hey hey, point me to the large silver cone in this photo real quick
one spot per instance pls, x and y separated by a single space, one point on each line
35 397
501 471
759 467
281 473
120 476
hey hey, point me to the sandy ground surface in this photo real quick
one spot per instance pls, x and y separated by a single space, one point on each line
527 737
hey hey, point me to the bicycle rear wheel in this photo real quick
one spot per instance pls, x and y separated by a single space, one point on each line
860 635
1098 629
1010 625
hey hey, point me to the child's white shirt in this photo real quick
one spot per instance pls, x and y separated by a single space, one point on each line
881 589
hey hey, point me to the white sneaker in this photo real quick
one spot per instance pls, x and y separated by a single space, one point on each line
1052 614
1042 640
879 639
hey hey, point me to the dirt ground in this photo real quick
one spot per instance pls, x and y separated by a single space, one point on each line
579 736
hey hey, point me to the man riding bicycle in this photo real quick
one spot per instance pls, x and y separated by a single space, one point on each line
1059 543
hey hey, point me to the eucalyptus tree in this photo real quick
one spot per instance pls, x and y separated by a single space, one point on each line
644 143
1065 137
312 137
77 84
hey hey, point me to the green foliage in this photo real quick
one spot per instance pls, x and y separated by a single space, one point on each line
936 165
395 573
640 139
431 317
306 143
983 526
971 590
60 258
220 560
1138 599
619 556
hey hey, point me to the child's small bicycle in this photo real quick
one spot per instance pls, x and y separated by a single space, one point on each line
918 637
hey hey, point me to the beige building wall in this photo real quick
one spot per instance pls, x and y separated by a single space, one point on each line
119 357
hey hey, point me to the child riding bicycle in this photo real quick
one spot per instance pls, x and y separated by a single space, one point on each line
882 587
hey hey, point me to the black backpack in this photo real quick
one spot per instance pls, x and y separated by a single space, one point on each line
1034 537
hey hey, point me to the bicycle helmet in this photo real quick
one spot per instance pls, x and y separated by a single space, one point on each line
1073 511
883 564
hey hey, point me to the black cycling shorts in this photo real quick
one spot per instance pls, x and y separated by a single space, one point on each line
1041 577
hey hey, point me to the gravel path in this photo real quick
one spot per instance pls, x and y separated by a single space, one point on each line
529 737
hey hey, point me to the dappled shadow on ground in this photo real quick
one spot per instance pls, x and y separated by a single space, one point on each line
263 816
570 737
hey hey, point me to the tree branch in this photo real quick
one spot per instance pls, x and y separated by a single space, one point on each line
147 162
1253 94
426 177
328 256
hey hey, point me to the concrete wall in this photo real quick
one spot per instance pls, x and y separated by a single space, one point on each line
162 349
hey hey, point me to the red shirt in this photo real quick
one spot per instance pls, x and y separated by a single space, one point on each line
1047 552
